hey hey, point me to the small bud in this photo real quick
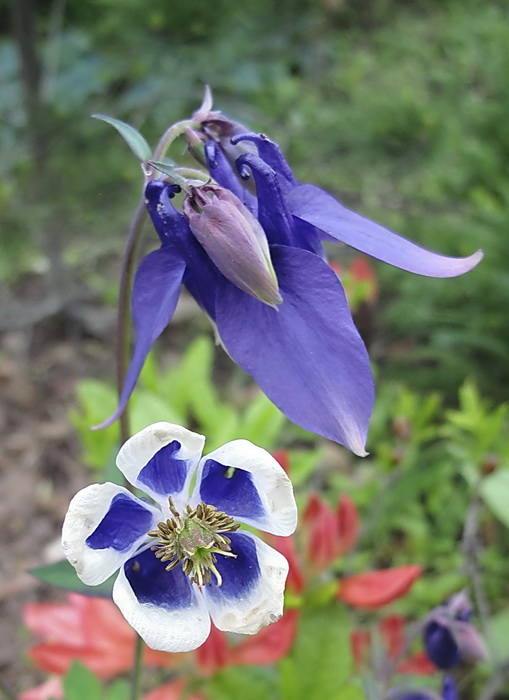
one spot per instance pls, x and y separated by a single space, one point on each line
448 635
234 241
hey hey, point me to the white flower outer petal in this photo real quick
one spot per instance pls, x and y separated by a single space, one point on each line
182 629
86 511
270 480
263 605
141 447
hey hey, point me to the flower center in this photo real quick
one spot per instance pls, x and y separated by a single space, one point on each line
194 539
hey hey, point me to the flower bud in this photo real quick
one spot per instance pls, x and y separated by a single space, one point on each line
234 241
448 635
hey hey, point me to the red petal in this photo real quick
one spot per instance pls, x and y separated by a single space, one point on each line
347 524
392 631
283 458
57 621
375 589
320 530
171 691
213 653
360 642
417 664
269 645
49 690
286 546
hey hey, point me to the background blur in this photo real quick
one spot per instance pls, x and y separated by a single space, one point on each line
400 109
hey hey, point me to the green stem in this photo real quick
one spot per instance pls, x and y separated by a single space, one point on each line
136 676
172 133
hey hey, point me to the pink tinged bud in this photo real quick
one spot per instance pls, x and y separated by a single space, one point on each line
234 241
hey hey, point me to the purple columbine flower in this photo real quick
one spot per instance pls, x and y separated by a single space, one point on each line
448 635
183 558
305 353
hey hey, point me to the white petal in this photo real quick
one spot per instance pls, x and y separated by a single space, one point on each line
167 611
87 510
161 460
252 594
258 493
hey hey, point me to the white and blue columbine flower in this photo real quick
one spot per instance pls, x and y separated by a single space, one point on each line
182 558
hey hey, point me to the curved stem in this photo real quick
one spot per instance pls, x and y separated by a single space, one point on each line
172 133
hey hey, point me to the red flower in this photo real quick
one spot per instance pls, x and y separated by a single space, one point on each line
269 645
329 534
90 630
375 589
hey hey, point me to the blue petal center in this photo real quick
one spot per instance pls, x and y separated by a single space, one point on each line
164 473
125 521
152 584
239 574
234 493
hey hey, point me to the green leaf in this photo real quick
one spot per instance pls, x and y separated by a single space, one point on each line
97 400
495 493
62 575
119 690
80 683
262 422
320 664
246 683
165 167
131 136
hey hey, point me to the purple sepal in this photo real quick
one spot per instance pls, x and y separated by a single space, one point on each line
154 298
316 207
307 356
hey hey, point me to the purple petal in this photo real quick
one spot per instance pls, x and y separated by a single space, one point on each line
162 606
234 493
273 213
201 276
125 522
316 207
104 526
252 591
155 294
246 482
307 356
161 460
440 645
272 155
223 173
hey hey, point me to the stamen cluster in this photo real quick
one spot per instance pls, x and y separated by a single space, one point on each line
194 539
